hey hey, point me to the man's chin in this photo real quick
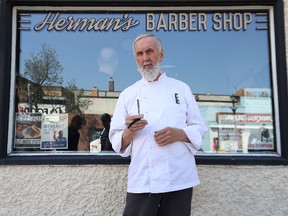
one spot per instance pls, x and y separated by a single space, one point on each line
151 77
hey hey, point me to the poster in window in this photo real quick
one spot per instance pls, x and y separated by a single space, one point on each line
54 131
27 130
261 138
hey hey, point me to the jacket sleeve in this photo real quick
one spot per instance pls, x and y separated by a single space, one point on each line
117 127
196 128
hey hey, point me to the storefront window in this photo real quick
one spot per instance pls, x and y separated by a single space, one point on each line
70 65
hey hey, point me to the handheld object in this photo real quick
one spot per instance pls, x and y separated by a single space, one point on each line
133 122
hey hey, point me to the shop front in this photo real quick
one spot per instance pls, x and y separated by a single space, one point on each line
64 62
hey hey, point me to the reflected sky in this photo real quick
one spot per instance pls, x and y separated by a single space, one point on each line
210 59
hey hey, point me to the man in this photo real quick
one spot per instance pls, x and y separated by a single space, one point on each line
162 144
73 134
60 136
265 134
105 142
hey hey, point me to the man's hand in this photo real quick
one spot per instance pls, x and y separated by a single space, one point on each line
132 127
170 135
135 122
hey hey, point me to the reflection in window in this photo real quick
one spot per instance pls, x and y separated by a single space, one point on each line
241 123
79 62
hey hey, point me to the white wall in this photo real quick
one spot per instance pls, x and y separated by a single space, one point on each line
99 190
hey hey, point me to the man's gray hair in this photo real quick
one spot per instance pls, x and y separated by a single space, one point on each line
157 40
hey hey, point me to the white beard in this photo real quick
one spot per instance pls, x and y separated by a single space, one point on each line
151 74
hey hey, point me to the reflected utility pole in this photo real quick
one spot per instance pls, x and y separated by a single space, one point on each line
29 97
234 100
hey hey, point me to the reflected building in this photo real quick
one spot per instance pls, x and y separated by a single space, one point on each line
230 130
242 122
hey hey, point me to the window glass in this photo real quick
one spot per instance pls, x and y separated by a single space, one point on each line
71 64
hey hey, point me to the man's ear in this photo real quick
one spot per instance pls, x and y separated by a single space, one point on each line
161 56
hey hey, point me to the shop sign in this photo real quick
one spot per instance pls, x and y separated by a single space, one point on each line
243 118
42 108
194 21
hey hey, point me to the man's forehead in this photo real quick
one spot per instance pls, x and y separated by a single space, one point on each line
147 42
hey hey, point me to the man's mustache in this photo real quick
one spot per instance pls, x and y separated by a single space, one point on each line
147 63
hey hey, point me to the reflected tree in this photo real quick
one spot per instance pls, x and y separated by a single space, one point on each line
75 99
44 69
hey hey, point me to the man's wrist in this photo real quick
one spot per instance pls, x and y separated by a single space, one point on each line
127 137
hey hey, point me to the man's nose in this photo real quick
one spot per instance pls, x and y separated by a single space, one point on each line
145 57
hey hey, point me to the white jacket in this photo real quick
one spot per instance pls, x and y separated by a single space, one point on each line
165 103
